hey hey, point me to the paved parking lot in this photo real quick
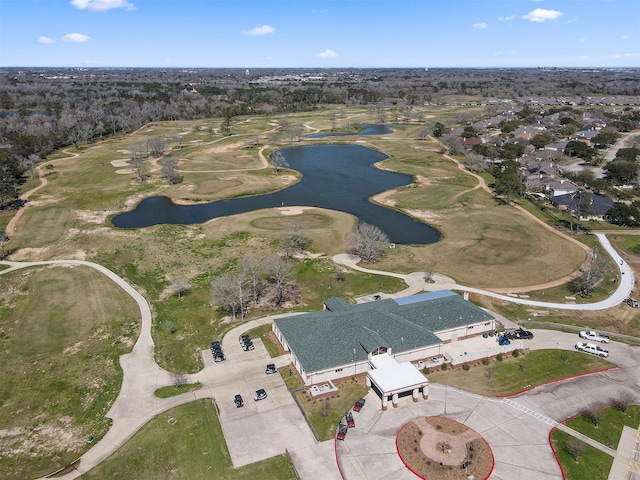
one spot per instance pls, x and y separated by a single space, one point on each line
260 429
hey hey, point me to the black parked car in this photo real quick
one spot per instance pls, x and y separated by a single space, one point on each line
271 368
244 339
238 401
218 357
248 346
261 394
525 334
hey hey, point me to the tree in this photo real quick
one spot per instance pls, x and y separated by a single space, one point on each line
278 161
368 242
4 239
628 154
156 146
423 133
575 448
179 379
137 152
438 130
453 143
579 149
170 171
595 415
509 180
621 172
252 269
294 240
178 286
223 293
585 283
541 139
278 273
623 399
605 138
625 215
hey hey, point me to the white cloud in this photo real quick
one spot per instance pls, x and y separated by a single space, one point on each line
101 5
263 30
507 19
44 40
327 54
480 26
75 38
627 55
542 15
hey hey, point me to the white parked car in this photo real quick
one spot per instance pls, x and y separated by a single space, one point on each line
594 336
592 348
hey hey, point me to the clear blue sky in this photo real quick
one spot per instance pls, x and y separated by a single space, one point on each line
320 33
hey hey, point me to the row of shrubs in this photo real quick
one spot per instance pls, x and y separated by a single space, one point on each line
467 366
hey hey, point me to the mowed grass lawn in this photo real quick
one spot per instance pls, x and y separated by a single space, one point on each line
512 375
593 463
185 443
62 330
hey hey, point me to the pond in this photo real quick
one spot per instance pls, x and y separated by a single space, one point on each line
375 129
335 177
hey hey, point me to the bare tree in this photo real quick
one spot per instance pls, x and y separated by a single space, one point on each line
585 283
575 448
278 161
4 239
278 272
178 286
177 138
368 242
179 379
223 293
156 146
594 414
453 143
423 133
137 152
623 399
295 240
252 268
170 171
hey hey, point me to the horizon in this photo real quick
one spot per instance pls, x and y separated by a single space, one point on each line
324 34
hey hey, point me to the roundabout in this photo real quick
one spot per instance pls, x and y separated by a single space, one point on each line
442 448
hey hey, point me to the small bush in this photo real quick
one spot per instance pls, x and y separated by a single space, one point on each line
499 357
444 366
515 353
466 367
485 361
426 370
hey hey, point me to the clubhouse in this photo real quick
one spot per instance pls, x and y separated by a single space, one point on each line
344 340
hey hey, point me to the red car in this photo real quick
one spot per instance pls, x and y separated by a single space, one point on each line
349 418
358 406
342 431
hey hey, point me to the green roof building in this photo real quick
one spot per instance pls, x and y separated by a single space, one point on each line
339 341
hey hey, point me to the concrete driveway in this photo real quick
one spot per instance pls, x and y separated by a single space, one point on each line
516 428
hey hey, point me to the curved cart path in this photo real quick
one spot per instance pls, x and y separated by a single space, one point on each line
416 283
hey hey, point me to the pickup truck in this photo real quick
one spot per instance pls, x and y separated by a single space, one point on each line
594 336
592 348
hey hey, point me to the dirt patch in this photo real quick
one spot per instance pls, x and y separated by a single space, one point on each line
437 448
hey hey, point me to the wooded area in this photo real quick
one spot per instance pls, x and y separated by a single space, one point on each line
42 109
